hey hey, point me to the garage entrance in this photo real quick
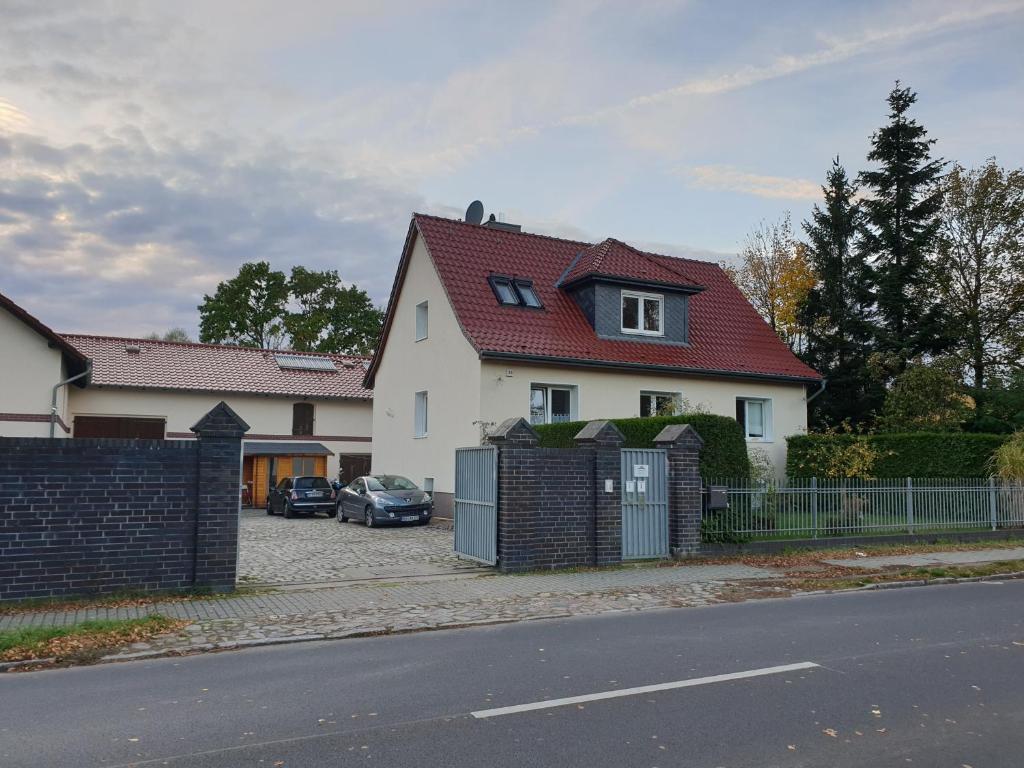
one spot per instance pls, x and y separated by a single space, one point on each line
264 464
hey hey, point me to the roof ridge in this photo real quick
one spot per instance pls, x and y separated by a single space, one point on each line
503 231
207 345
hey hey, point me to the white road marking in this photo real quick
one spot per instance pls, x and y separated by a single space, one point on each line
550 703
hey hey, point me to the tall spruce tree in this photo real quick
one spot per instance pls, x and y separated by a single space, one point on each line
901 215
836 314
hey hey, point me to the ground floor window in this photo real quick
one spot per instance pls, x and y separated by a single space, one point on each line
552 404
420 415
304 465
660 403
755 417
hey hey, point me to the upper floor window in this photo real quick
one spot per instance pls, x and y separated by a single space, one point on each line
302 419
421 321
514 291
755 418
643 313
659 403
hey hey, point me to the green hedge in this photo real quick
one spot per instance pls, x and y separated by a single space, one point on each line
724 453
909 454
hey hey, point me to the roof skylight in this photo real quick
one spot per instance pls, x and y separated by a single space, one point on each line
305 363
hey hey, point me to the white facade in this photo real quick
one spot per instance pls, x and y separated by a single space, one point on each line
443 365
30 369
342 426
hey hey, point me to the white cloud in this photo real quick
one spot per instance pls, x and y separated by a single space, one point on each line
724 177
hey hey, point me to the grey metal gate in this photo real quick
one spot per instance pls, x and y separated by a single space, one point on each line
476 503
644 503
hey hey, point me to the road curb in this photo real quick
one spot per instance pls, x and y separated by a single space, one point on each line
917 583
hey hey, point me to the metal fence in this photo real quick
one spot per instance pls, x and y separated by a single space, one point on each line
813 507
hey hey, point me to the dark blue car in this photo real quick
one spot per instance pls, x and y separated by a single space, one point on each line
302 496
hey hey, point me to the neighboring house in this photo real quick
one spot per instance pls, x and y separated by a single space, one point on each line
34 361
308 413
487 322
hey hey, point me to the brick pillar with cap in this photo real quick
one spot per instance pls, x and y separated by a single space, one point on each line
604 440
683 446
218 499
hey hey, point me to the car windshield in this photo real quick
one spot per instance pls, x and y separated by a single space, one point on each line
312 482
390 483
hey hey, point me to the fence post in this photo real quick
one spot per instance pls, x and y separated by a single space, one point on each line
814 507
992 501
910 505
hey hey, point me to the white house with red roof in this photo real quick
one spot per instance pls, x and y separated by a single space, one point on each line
486 322
308 413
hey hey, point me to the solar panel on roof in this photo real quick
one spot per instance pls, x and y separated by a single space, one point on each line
305 363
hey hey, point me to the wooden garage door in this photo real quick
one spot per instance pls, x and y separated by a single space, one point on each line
119 426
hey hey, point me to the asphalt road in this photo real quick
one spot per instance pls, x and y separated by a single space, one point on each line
929 676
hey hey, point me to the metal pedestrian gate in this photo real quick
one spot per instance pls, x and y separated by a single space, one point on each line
476 503
644 503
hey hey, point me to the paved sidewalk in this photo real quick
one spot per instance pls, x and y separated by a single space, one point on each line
410 604
932 558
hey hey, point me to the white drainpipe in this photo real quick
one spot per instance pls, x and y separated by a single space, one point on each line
56 389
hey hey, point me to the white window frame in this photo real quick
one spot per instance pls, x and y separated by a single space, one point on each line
421 415
766 415
641 298
677 399
422 320
573 391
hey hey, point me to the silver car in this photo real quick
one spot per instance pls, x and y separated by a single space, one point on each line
384 500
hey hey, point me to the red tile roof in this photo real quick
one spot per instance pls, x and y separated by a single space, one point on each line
215 368
613 258
726 335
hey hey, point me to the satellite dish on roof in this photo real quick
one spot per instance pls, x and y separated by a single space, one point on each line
475 212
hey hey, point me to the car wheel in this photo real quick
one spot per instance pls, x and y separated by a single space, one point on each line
368 517
342 517
333 512
288 513
270 509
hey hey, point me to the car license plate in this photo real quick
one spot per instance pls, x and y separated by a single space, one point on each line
314 494
409 518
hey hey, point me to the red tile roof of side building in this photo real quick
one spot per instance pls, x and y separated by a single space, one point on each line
189 366
726 335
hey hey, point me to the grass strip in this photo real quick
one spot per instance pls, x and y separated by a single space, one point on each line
81 642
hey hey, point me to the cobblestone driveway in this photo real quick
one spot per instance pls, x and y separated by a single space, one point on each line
273 550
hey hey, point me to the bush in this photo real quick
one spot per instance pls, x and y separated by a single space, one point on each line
724 454
910 454
1008 459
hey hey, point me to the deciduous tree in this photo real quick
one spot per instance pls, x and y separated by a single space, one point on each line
980 268
775 277
247 309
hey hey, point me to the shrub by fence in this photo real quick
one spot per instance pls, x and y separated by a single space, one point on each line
724 453
812 507
912 454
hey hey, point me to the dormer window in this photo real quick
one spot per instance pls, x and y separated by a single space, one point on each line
643 313
514 291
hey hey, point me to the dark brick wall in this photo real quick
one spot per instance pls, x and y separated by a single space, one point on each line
553 507
553 511
89 516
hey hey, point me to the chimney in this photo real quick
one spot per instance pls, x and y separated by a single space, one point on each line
493 223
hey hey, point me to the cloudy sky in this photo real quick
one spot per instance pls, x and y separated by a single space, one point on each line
148 149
